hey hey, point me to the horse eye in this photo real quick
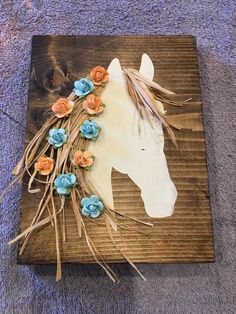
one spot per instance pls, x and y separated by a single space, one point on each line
143 148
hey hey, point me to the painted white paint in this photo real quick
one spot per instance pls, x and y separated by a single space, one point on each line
138 154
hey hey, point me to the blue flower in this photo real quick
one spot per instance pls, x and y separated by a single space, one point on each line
90 129
64 182
92 206
57 137
83 87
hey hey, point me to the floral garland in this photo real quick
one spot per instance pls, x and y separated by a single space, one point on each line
59 168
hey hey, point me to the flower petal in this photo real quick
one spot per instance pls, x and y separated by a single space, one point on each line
85 212
89 162
87 154
57 145
61 131
60 115
51 141
79 153
63 191
52 132
57 182
73 178
76 84
90 111
71 103
100 205
45 172
100 109
95 133
78 92
94 123
88 135
94 198
86 92
64 138
95 214
85 201
85 104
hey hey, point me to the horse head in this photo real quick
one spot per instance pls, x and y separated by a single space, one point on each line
132 146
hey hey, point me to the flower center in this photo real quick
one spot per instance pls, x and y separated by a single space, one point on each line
45 165
99 75
57 137
92 207
66 182
84 86
89 129
92 105
83 159
61 108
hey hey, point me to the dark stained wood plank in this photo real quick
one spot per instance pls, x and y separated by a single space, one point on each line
186 236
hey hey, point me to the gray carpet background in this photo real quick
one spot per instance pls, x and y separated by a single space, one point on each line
193 288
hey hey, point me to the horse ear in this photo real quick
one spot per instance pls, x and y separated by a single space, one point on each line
115 71
146 67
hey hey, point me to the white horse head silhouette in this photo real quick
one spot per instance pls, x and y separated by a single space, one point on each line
137 152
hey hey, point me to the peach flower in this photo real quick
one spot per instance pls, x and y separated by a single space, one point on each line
62 107
93 104
83 159
99 75
44 165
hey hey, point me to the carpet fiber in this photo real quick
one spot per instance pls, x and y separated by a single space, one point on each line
193 288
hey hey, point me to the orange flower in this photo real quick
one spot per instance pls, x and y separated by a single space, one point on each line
93 104
62 107
99 75
44 165
83 159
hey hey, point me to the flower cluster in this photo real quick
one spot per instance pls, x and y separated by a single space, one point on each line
90 129
83 87
64 183
99 75
44 165
92 206
62 107
83 159
93 105
57 137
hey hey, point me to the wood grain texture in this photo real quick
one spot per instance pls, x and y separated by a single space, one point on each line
186 236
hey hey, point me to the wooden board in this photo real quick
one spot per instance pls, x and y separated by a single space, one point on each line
184 237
